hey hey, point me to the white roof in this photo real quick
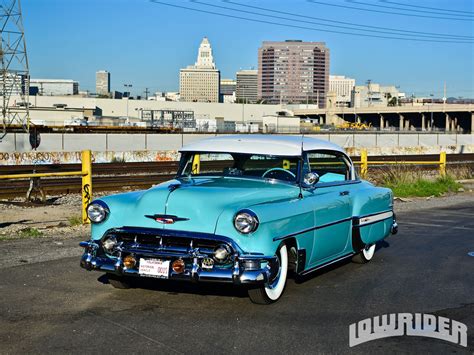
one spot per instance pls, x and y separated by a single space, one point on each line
260 144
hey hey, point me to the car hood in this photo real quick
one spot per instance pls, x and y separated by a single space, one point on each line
197 203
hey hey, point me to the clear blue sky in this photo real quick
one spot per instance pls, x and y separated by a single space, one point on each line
145 43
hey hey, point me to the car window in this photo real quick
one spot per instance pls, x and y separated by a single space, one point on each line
331 167
208 164
241 165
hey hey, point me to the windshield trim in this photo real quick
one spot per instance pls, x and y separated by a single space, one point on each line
255 178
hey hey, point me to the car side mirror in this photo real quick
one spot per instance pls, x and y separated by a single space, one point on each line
310 179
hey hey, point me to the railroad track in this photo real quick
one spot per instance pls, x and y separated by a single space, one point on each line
117 176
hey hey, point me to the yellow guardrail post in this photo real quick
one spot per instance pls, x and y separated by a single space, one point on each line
364 164
442 164
196 165
86 183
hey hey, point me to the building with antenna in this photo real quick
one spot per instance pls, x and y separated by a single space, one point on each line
294 72
200 82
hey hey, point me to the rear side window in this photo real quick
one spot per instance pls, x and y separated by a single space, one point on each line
331 167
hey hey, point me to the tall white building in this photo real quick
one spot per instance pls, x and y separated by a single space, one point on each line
342 87
102 82
55 87
200 82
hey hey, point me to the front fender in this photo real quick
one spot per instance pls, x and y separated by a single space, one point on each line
277 219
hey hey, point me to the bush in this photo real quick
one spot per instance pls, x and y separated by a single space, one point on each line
407 182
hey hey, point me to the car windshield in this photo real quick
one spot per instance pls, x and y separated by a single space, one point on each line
239 165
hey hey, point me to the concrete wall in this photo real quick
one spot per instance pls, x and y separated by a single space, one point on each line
42 157
102 142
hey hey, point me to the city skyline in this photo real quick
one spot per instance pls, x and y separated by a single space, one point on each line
148 46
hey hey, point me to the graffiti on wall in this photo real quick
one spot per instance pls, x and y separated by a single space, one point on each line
39 158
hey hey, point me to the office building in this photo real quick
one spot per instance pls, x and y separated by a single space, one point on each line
227 90
55 87
228 86
102 83
200 82
247 86
293 72
342 87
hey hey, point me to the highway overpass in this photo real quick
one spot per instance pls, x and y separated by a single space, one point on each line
434 117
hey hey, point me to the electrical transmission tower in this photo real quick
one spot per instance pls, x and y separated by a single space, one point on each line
14 73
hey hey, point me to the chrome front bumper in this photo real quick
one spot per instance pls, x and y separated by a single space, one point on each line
243 269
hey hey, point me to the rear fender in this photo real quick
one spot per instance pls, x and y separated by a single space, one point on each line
373 215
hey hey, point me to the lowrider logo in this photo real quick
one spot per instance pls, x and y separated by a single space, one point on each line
166 218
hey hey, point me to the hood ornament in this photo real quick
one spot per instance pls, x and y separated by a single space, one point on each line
166 218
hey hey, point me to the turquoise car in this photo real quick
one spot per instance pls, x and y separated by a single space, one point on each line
245 210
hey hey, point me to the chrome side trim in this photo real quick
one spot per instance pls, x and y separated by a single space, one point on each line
313 228
372 218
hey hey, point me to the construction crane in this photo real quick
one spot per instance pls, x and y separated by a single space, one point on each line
14 71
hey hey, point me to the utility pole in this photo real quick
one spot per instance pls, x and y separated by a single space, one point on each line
343 104
243 104
146 93
369 91
431 113
14 71
128 86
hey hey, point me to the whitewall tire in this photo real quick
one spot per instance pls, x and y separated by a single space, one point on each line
365 255
274 289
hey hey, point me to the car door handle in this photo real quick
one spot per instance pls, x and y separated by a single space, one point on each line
344 193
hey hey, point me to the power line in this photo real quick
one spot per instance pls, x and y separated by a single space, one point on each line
312 22
424 7
402 9
460 37
387 12
300 27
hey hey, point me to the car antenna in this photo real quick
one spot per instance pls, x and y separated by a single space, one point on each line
300 196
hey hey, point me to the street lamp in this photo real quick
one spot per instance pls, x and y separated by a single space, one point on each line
431 113
343 104
128 86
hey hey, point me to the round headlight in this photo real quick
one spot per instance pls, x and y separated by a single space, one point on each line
97 211
109 243
245 221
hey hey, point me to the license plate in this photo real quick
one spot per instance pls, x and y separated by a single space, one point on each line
154 268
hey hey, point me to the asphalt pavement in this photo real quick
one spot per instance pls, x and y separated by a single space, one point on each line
57 307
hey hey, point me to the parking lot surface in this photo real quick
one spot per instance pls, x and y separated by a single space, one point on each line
57 307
